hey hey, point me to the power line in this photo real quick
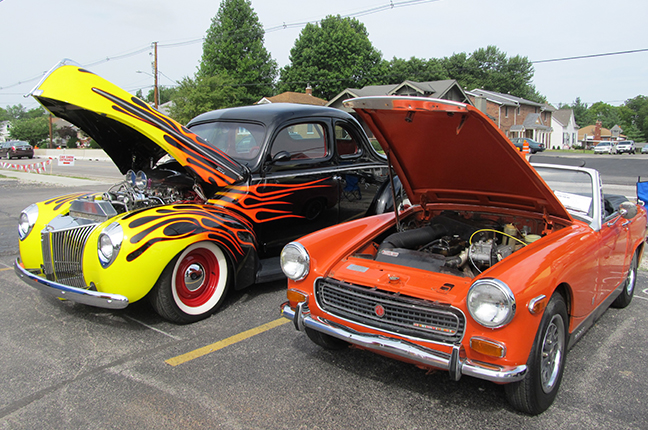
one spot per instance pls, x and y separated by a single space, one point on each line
391 5
607 54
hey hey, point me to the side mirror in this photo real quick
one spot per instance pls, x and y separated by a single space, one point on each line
628 210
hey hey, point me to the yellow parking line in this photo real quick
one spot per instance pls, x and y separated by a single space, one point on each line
225 342
6 268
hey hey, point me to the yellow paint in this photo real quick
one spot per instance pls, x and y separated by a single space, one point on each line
225 342
7 268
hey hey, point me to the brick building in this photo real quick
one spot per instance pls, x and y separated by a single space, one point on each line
515 116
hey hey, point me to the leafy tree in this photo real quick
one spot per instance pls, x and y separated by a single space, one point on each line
332 56
32 130
68 135
581 114
490 69
487 68
637 114
414 69
195 96
234 45
606 113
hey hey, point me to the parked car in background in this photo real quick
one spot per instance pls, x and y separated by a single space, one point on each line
534 147
625 147
644 149
485 273
605 148
16 149
203 209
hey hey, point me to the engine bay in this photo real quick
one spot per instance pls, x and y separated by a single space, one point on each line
458 243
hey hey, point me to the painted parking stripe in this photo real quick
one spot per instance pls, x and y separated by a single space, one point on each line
225 342
6 268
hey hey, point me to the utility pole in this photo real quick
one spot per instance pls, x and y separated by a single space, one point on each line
155 76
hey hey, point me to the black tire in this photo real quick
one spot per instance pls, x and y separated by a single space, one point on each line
629 284
537 391
193 285
325 341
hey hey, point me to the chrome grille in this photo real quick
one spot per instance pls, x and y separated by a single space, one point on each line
391 312
63 252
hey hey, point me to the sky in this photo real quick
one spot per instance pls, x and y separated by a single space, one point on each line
113 38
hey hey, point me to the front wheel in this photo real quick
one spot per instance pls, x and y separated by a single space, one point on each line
193 285
626 295
537 391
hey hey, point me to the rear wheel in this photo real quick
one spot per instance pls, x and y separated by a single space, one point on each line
626 295
537 391
193 285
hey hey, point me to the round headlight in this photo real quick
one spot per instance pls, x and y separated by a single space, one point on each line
141 181
491 303
27 220
295 261
109 243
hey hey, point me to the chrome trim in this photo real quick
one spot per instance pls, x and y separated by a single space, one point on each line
453 362
61 291
504 289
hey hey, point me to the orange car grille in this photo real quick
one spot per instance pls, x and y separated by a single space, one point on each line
391 312
62 254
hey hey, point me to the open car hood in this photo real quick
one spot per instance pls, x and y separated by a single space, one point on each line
131 132
449 152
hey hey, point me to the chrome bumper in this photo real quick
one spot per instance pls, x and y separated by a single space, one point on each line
453 363
79 295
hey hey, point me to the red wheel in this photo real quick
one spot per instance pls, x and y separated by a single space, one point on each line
193 285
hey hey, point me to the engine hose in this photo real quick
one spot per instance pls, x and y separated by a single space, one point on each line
411 239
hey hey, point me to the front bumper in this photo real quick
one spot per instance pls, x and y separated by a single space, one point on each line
453 363
79 295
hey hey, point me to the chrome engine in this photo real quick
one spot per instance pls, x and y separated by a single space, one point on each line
159 186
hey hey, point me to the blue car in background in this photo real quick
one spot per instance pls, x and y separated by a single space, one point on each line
533 145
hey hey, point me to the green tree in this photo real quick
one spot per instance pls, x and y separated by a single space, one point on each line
606 113
582 115
195 96
234 45
332 56
414 69
32 130
637 114
490 69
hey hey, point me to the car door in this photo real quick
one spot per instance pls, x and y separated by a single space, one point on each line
614 244
360 172
298 180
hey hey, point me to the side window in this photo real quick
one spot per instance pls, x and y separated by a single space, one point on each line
345 142
306 141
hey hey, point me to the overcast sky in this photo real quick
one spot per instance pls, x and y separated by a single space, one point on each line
113 38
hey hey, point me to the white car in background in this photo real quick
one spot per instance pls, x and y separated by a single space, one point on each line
626 146
605 148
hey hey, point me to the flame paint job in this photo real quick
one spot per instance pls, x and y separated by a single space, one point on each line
263 202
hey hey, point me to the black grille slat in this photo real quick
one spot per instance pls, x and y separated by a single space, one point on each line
63 254
403 315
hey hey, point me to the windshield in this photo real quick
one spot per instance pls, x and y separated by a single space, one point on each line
241 141
573 188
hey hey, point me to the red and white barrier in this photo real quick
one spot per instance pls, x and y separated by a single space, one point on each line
29 168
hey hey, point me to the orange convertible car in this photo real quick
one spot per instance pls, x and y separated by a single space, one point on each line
492 267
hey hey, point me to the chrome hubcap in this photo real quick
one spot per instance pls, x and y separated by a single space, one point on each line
194 277
552 353
631 280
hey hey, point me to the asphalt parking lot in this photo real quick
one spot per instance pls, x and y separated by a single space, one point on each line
72 366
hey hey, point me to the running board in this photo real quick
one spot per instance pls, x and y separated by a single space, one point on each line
270 271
